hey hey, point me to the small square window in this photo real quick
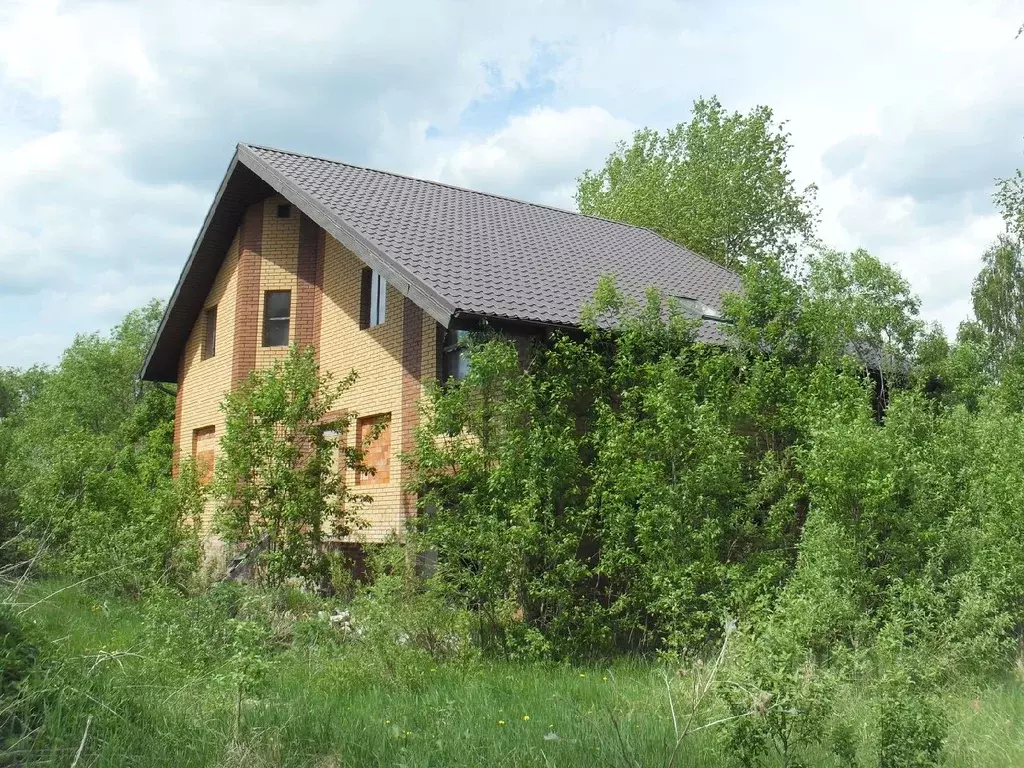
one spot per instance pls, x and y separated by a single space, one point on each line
284 211
277 310
210 333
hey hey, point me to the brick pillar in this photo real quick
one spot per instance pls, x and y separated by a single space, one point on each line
247 296
412 365
309 285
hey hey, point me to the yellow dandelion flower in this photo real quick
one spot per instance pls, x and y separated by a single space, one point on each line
526 718
583 674
501 722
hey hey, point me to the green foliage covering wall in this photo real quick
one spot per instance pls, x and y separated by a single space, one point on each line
281 496
631 489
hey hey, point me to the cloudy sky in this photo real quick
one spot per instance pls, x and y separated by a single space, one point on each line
117 119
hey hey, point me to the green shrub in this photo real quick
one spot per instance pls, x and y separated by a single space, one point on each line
407 624
781 700
280 497
197 632
911 727
90 465
598 498
19 655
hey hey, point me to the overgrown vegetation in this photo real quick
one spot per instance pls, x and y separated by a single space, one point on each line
86 464
141 691
802 546
280 481
630 489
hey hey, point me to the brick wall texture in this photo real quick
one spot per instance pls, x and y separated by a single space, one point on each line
393 360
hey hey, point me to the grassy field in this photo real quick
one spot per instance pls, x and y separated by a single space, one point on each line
342 706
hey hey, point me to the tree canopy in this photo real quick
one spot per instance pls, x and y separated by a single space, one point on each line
719 184
998 290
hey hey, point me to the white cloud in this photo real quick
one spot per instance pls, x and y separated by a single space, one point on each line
118 118
126 114
536 155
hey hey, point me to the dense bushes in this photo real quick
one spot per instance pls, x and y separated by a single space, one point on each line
843 483
632 490
86 465
281 495
573 514
18 656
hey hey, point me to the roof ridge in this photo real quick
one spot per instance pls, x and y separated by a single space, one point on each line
439 184
488 194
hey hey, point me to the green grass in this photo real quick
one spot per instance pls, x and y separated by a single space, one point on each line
340 706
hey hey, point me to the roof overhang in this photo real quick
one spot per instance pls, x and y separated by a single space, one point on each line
239 189
249 180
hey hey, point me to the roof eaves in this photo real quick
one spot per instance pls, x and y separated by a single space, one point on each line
145 372
371 254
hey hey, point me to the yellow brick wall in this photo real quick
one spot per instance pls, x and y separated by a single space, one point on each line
280 251
204 382
375 354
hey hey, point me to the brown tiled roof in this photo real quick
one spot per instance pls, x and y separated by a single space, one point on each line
494 256
454 251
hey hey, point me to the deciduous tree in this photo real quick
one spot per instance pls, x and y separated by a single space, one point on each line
91 461
280 477
998 291
719 184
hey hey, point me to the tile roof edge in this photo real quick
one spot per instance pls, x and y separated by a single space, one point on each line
369 252
186 268
506 198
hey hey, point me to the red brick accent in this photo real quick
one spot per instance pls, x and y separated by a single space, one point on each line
204 441
310 285
247 296
377 451
179 400
412 364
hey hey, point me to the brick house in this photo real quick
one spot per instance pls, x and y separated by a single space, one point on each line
381 273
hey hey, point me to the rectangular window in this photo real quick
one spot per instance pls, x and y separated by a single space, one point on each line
210 335
373 299
456 356
277 311
373 434
204 444
378 299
